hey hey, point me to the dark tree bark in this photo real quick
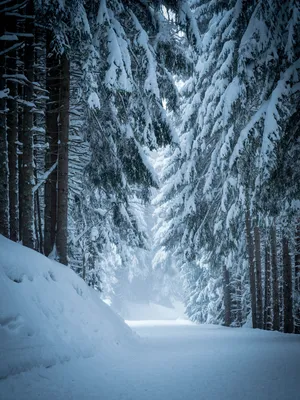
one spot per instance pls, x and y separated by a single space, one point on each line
12 126
39 132
4 192
227 296
38 221
297 277
258 277
288 323
239 301
83 264
250 248
62 168
52 116
267 305
28 169
275 288
20 138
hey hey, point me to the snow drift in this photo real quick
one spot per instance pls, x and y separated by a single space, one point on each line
48 315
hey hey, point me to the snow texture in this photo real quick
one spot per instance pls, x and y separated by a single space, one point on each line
48 315
51 322
176 360
94 101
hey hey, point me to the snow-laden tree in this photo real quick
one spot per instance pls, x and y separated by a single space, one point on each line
235 111
131 52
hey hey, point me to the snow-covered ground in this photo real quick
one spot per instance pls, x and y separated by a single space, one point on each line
58 341
152 311
174 362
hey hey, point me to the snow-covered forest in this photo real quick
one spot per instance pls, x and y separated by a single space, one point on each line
193 106
153 147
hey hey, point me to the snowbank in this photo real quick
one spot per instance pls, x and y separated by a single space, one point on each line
48 315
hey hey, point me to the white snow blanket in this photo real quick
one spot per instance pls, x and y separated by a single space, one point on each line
152 311
48 315
51 323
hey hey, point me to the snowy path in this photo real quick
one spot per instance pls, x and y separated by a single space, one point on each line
174 361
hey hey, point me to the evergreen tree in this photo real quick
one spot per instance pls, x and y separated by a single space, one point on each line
235 111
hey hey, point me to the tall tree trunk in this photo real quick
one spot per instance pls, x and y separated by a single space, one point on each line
39 223
267 308
250 249
83 261
39 132
239 301
52 116
4 191
20 67
288 324
227 296
12 126
28 175
275 289
62 168
258 277
297 278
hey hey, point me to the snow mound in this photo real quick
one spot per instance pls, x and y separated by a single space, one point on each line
48 315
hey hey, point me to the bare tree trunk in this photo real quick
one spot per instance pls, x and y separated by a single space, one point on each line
258 277
288 324
239 301
267 309
36 228
275 289
62 169
297 278
52 116
227 296
4 192
12 125
28 176
20 67
39 132
83 262
251 269
38 220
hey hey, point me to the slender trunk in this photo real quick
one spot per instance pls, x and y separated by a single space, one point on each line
4 192
275 289
227 296
20 164
12 126
297 278
36 228
62 168
258 277
39 219
52 116
20 138
267 309
83 261
239 301
39 133
28 176
250 249
281 284
288 324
